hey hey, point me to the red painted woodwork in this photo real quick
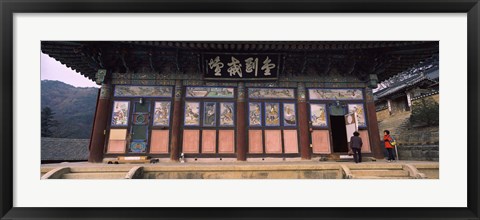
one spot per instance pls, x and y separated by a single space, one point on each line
374 133
191 141
209 141
174 144
290 141
241 132
159 141
305 150
255 142
366 141
321 142
98 135
273 141
226 141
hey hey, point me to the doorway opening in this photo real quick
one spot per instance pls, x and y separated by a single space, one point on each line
339 134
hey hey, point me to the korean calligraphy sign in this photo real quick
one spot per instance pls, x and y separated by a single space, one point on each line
241 66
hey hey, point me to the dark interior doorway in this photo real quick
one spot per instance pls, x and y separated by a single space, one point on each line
339 134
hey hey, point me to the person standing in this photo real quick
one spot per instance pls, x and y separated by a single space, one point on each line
356 146
387 139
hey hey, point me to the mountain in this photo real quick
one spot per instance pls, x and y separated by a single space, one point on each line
74 108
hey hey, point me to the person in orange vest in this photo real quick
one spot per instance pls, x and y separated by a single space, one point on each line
387 138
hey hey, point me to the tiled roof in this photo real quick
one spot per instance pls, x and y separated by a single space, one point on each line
64 149
389 58
430 76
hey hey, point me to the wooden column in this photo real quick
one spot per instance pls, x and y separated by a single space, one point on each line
305 150
373 125
97 141
177 115
241 124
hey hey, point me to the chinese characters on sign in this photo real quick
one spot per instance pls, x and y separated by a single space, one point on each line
241 66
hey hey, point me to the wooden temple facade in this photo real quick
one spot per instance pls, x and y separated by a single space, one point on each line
235 100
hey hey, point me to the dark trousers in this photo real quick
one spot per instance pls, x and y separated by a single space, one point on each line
390 154
357 155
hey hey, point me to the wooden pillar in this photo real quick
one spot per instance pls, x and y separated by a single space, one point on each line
97 141
373 125
241 140
177 115
305 150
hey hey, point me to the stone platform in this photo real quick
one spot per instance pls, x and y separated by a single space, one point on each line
244 170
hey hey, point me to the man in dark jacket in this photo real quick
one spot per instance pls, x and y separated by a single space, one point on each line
356 145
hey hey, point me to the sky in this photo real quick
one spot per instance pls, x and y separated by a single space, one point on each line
54 70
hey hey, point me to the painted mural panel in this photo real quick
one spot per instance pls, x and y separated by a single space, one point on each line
318 115
289 114
335 94
120 113
161 116
272 114
260 93
209 92
226 114
360 110
138 147
209 114
140 118
192 113
143 91
255 114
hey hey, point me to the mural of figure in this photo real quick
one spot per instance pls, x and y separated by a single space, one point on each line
289 117
209 114
161 115
226 116
358 108
255 114
192 115
120 113
272 114
318 115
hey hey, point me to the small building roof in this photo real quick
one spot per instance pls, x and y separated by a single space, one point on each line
63 149
430 77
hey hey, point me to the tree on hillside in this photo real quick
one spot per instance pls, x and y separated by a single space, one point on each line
425 112
48 122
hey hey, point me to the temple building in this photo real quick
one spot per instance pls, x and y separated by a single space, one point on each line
236 100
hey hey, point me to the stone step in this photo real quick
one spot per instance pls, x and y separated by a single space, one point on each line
383 177
114 175
380 173
388 166
105 168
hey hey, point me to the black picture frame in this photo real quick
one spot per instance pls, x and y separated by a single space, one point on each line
9 7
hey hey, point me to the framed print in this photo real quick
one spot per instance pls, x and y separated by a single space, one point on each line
407 33
227 114
192 114
209 114
255 114
161 116
120 113
318 115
